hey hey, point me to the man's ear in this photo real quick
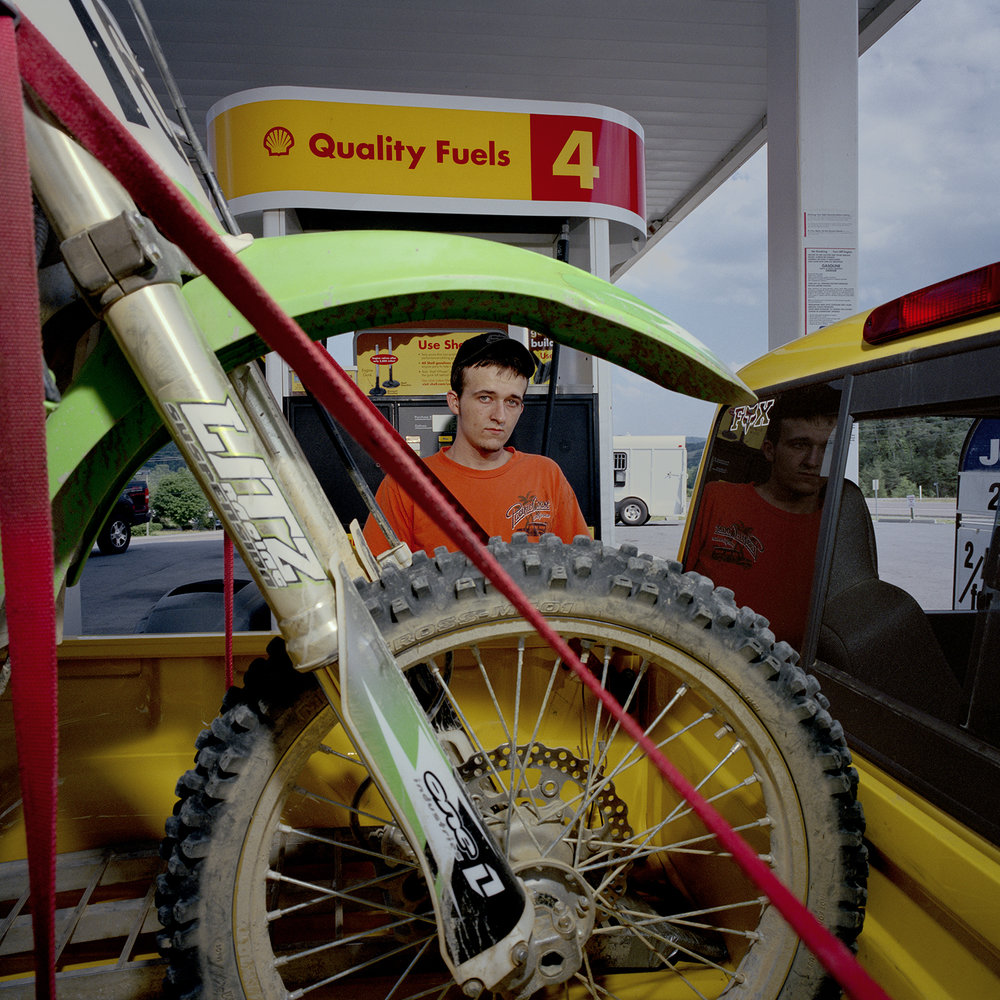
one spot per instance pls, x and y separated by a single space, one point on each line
767 449
452 398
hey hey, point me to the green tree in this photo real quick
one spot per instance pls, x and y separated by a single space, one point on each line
179 501
909 453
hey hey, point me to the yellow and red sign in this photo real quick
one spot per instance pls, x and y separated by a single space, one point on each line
401 362
296 147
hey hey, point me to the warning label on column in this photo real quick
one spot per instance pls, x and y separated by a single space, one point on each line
831 285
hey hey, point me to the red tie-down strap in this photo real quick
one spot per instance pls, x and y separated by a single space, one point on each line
25 524
227 587
99 131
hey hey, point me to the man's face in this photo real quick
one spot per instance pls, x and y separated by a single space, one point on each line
797 458
488 409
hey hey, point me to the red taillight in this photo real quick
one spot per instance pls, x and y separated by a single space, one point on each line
948 301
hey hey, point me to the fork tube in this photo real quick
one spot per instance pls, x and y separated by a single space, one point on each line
293 471
232 463
235 451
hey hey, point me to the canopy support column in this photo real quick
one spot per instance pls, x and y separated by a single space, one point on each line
812 165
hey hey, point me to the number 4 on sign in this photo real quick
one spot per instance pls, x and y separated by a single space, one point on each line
576 159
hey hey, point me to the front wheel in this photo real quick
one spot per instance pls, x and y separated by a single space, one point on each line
288 875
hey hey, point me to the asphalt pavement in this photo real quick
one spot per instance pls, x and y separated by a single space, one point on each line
117 593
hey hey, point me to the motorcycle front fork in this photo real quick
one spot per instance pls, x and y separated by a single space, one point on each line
239 448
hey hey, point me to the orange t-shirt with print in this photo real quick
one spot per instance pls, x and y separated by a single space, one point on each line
527 493
763 554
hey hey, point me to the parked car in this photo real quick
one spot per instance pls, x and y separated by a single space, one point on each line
908 660
131 508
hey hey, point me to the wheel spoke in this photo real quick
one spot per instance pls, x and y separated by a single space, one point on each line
518 781
587 801
406 972
353 970
296 956
590 982
345 845
326 800
589 791
484 676
325 894
641 918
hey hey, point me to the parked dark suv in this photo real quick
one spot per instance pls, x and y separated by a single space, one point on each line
131 508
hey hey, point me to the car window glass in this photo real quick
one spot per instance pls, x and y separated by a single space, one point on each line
757 519
909 577
909 474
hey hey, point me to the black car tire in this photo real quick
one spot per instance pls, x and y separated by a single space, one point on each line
633 512
115 536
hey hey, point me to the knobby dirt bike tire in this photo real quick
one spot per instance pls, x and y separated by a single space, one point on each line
284 868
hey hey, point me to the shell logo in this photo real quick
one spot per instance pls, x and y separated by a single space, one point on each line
278 141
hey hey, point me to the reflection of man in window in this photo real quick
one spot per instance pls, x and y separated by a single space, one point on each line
759 539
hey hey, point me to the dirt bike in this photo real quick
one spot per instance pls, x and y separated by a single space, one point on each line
413 794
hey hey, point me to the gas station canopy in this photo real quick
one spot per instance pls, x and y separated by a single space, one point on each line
692 73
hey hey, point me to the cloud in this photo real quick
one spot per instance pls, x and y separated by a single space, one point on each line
929 203
723 242
928 199
709 275
640 407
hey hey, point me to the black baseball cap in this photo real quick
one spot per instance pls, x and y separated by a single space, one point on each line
494 348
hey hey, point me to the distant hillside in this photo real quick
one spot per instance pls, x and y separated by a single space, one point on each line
912 454
168 459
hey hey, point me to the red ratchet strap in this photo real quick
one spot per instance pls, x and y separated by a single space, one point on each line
100 132
25 524
227 586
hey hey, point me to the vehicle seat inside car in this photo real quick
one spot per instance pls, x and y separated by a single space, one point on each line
876 631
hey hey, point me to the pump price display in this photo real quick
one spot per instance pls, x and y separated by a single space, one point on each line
295 147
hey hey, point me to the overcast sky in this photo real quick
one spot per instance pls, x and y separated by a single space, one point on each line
929 149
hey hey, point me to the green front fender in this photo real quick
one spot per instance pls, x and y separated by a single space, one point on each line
337 282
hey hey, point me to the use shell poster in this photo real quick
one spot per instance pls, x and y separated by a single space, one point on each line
408 362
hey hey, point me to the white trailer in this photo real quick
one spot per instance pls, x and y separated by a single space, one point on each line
650 477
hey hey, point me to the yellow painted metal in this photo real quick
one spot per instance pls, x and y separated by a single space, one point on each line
841 347
130 709
933 924
132 706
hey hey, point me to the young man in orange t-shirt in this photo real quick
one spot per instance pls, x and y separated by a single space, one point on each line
504 490
759 540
